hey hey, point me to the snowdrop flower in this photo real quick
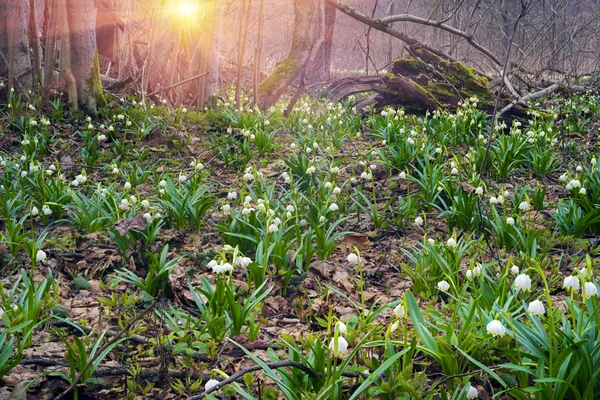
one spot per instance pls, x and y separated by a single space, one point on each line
341 327
333 207
243 261
34 210
182 178
536 307
248 177
579 168
75 183
40 256
145 204
366 176
210 384
514 269
419 221
399 311
524 206
127 186
479 191
81 178
590 290
352 258
523 282
493 200
226 208
147 217
273 228
46 210
443 286
510 221
222 268
23 174
337 190
454 171
575 183
310 170
472 393
495 328
402 175
124 205
563 178
394 327
451 242
334 170
232 195
290 208
571 283
338 349
477 270
582 191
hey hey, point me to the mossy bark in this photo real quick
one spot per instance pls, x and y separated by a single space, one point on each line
84 55
419 83
306 14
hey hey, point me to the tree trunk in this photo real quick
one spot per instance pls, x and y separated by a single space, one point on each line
84 55
211 45
321 70
306 17
14 43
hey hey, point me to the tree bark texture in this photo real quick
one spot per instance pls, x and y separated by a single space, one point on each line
14 17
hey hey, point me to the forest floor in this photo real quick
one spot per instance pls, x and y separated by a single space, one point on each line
102 198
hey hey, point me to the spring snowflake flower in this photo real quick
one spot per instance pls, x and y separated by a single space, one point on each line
232 195
273 228
34 210
310 170
419 221
514 269
477 270
290 208
472 393
495 328
352 258
563 178
127 186
341 327
493 200
469 274
248 177
333 207
510 221
81 178
451 242
337 190
210 385
338 349
46 210
575 183
571 283
243 261
524 206
454 171
182 178
443 286
479 191
402 175
366 175
41 256
399 311
579 168
221 268
226 208
590 290
536 307
582 191
523 282
334 170
394 327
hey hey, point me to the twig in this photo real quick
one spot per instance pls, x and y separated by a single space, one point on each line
183 82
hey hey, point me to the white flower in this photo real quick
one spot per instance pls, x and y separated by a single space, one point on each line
454 171
402 175
524 206
226 208
579 168
582 191
495 328
510 221
394 327
221 268
273 228
451 242
75 183
147 217
232 195
493 200
589 289
469 274
479 191
34 210
290 208
477 270
562 178
182 178
523 282
338 349
127 186
333 207
571 283
352 258
575 183
536 307
124 205
145 204
419 221
334 170
472 393
115 171
81 178
162 183
443 286
40 256
46 210
310 170
337 190
210 384
102 138
399 311
341 327
248 177
514 269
